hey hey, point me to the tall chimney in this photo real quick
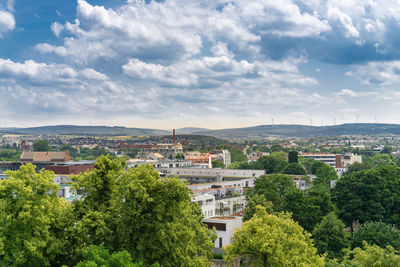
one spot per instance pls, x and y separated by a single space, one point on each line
173 136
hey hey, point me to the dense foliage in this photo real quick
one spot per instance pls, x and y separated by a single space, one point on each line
329 236
33 219
369 195
308 207
152 219
273 240
10 154
376 233
274 188
41 145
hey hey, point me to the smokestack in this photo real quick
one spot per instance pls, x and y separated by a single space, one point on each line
173 136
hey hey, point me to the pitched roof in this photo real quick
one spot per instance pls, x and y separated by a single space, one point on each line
44 156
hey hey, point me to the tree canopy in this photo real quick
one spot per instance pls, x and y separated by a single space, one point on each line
33 219
151 219
294 168
375 256
274 163
376 233
293 157
137 211
98 256
41 145
308 207
369 195
273 240
274 188
254 201
329 236
324 175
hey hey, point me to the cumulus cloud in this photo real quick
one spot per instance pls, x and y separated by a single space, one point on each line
217 70
380 73
338 31
7 22
237 57
174 29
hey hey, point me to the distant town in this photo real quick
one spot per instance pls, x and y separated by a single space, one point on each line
223 175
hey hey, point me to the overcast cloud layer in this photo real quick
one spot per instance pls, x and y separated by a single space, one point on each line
214 64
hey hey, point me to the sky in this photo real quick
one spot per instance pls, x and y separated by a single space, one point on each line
198 63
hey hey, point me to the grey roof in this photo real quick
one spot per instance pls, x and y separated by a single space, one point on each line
205 172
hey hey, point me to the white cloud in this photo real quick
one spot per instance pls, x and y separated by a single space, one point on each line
380 73
34 73
7 21
215 71
335 14
233 58
170 75
57 28
175 30
347 92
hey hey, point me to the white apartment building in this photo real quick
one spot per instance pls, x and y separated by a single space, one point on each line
204 175
225 227
159 163
335 160
229 195
206 203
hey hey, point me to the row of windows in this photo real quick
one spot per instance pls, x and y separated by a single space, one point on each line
208 213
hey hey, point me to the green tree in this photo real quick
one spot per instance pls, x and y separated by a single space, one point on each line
274 188
41 145
376 233
157 222
237 154
294 168
33 219
254 201
274 163
244 165
356 167
374 256
277 148
98 256
10 154
308 207
217 164
137 211
369 195
317 164
293 157
329 236
381 159
271 240
324 175
307 164
387 150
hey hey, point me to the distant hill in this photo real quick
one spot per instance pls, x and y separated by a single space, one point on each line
256 132
190 130
284 130
84 130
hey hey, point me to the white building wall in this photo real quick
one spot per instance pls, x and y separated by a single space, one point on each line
206 203
231 224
